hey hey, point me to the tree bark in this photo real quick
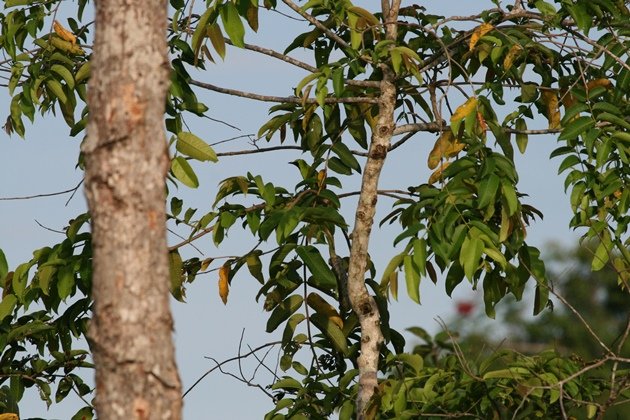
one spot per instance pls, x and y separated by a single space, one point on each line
126 163
363 304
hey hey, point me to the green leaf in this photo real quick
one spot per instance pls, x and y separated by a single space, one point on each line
216 38
4 266
338 82
86 413
287 383
568 162
541 297
27 330
521 138
56 89
582 17
346 156
183 172
7 305
20 277
64 73
322 274
509 193
471 252
176 275
200 31
545 8
232 24
454 277
602 253
420 255
487 191
44 275
392 266
14 3
331 331
576 127
194 147
283 311
255 267
65 281
412 278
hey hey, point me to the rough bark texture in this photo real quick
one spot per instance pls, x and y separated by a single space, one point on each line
362 302
126 163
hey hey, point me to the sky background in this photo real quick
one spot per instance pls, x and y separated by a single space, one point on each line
45 162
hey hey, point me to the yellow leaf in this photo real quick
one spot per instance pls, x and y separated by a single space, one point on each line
478 33
224 288
466 108
599 82
445 146
437 174
321 178
205 264
462 112
369 17
482 122
322 307
66 46
366 110
511 55
550 99
64 34
9 416
567 98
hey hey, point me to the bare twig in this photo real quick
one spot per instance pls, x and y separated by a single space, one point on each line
30 197
281 99
49 229
330 34
231 359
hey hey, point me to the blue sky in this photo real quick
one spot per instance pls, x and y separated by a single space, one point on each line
45 162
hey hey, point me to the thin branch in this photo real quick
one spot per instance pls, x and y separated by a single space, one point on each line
29 197
50 229
181 237
435 128
231 359
276 54
281 99
330 34
192 238
259 150
232 138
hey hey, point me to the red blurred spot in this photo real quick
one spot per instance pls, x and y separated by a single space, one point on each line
465 307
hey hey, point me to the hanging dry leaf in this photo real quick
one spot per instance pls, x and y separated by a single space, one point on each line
567 98
445 146
550 99
224 287
599 82
512 54
482 122
466 108
478 33
437 174
63 33
321 179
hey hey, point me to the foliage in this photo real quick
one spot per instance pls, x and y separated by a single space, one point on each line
474 81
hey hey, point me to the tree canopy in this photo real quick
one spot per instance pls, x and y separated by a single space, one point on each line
474 86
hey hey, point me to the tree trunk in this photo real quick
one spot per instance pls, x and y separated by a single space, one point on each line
126 162
363 304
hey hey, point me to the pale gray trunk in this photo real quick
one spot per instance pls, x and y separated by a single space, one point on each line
362 302
126 163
